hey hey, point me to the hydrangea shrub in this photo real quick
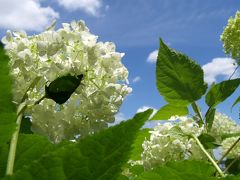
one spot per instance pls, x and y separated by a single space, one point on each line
72 50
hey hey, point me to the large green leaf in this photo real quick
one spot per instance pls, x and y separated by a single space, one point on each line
179 78
181 170
137 148
99 156
7 109
169 110
221 91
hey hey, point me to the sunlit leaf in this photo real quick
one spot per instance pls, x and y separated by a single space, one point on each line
221 91
165 112
179 78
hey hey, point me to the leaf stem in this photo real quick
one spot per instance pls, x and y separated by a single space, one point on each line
14 140
226 153
209 157
38 101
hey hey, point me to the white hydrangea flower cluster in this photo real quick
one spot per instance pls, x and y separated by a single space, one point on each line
222 124
167 143
69 50
230 37
227 143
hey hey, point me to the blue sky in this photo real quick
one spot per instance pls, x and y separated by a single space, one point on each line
135 26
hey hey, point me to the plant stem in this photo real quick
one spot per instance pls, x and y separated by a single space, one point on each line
209 157
226 153
13 144
38 101
234 72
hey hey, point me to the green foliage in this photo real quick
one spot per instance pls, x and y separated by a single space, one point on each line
137 145
3 159
169 110
26 126
62 88
209 116
235 167
7 109
221 91
236 101
99 156
229 135
208 141
179 78
180 170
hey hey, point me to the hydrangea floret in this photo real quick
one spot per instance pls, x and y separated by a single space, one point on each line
223 125
167 143
231 37
171 141
72 50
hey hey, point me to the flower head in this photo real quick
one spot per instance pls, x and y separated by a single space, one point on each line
231 37
169 142
227 143
223 125
69 50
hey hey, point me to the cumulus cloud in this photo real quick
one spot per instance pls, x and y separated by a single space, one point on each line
119 117
91 7
219 67
152 57
136 79
25 15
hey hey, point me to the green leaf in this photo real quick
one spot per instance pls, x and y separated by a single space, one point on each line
62 88
7 108
221 91
209 116
229 135
181 170
137 145
179 78
3 159
31 147
26 126
235 167
169 110
236 101
208 141
99 156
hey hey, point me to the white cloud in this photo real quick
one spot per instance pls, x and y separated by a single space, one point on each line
91 7
119 117
219 67
152 57
25 15
136 79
